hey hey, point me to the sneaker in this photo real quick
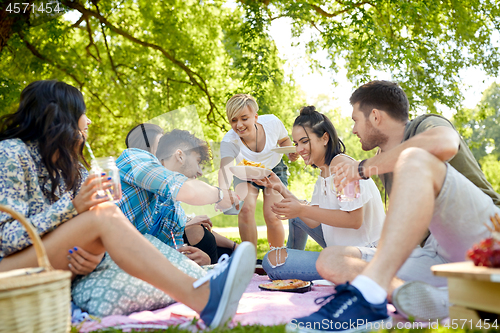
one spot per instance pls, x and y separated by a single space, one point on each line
420 301
344 311
228 281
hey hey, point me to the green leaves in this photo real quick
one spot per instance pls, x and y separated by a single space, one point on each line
480 128
422 44
134 60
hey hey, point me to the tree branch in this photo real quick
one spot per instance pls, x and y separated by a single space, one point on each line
37 54
91 41
314 26
77 23
103 104
180 81
201 83
320 10
10 22
40 56
113 67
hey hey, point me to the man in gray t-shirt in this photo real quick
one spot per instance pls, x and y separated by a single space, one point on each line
434 184
464 161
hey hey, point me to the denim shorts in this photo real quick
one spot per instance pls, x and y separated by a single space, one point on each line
281 170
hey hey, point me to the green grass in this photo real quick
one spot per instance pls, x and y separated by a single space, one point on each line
281 329
263 246
237 329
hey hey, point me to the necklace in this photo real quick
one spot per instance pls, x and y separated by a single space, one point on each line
256 138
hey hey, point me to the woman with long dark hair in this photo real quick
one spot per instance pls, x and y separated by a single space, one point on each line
355 221
41 177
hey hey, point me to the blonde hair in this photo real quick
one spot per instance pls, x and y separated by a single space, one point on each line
237 103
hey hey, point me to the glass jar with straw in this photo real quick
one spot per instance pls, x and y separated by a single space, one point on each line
108 166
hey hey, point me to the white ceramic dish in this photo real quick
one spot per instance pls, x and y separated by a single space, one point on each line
285 150
249 172
322 283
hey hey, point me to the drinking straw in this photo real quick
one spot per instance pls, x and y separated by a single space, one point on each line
91 153
92 158
109 195
173 238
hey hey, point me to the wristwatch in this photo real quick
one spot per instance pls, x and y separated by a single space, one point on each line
221 195
361 170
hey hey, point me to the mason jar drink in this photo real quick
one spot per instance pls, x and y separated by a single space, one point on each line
350 192
107 165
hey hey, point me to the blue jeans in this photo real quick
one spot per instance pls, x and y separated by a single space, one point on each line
299 264
298 232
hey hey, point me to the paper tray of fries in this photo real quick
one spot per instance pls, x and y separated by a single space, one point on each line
248 170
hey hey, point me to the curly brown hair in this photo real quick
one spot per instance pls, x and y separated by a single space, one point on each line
48 114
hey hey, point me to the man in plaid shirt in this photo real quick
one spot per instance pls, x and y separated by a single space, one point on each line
153 188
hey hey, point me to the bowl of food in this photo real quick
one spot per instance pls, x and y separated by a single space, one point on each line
248 170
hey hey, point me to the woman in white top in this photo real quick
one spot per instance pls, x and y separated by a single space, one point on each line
357 222
252 137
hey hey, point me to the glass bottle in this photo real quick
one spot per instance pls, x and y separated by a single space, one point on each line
108 166
350 192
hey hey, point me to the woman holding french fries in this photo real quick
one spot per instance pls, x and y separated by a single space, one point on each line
355 221
252 138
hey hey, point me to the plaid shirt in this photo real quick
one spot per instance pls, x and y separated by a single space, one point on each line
149 192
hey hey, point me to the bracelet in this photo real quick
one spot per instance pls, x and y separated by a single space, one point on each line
361 170
234 245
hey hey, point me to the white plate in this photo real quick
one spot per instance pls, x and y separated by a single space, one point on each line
249 172
285 150
322 283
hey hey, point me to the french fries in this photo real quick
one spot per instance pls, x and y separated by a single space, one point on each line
245 162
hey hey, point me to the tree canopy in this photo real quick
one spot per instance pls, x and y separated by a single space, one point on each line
424 44
480 128
135 60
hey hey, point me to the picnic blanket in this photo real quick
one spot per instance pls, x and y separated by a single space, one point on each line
256 307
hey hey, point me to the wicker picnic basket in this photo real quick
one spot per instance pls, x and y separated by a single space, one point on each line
34 299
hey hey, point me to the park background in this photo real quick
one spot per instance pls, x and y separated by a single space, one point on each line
135 60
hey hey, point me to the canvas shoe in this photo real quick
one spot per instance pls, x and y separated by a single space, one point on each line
421 301
345 311
228 281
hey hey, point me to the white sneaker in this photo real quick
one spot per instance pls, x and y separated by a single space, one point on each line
421 301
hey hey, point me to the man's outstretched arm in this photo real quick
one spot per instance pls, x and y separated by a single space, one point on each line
441 141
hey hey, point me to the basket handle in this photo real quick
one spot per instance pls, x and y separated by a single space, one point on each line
41 255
